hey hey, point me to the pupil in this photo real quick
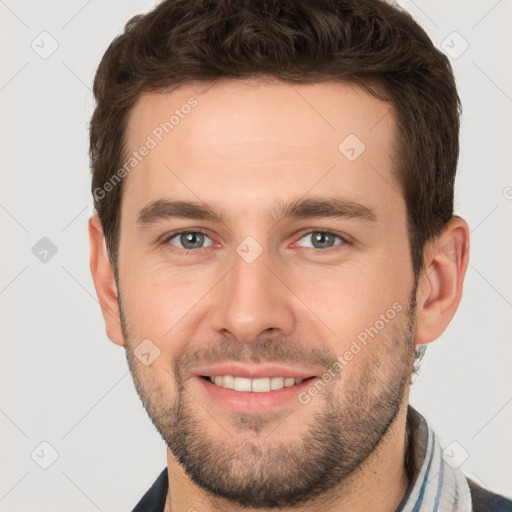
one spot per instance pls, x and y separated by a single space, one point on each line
187 238
320 238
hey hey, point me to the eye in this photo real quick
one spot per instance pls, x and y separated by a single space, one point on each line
322 241
189 239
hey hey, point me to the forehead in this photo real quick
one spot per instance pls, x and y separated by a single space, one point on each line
245 141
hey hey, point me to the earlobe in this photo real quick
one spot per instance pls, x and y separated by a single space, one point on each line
440 286
104 282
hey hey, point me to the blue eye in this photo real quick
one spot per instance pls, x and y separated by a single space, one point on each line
323 240
189 239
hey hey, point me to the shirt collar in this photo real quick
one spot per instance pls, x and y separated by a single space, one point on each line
436 484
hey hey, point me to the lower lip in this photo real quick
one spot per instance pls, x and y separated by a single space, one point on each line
244 401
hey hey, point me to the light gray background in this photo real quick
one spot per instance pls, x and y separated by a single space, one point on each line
64 382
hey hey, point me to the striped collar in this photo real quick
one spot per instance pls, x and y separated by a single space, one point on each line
434 485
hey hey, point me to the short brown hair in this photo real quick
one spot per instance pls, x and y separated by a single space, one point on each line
370 43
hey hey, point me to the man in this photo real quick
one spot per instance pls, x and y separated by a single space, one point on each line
275 244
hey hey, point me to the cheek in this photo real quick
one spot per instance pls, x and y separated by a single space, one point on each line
157 298
353 292
358 305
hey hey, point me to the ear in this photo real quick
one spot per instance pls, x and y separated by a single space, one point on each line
440 285
104 282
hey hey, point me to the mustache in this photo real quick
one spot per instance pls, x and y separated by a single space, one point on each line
263 350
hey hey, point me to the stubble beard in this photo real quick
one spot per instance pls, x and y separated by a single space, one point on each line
250 466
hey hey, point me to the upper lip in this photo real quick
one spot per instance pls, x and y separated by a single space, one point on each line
253 372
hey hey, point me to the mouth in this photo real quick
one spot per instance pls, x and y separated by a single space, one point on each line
252 396
249 388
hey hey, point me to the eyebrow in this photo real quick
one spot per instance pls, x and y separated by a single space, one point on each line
164 209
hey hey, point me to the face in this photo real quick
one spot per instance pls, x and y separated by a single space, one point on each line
297 265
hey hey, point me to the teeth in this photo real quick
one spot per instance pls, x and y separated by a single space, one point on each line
254 385
240 384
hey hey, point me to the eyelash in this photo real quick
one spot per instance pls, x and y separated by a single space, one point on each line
315 251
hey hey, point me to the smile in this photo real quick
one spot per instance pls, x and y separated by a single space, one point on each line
262 385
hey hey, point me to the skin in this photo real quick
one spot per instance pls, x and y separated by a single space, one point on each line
246 147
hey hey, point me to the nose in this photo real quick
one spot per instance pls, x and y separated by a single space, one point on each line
255 300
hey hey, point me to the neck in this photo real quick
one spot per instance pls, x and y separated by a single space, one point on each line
379 484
